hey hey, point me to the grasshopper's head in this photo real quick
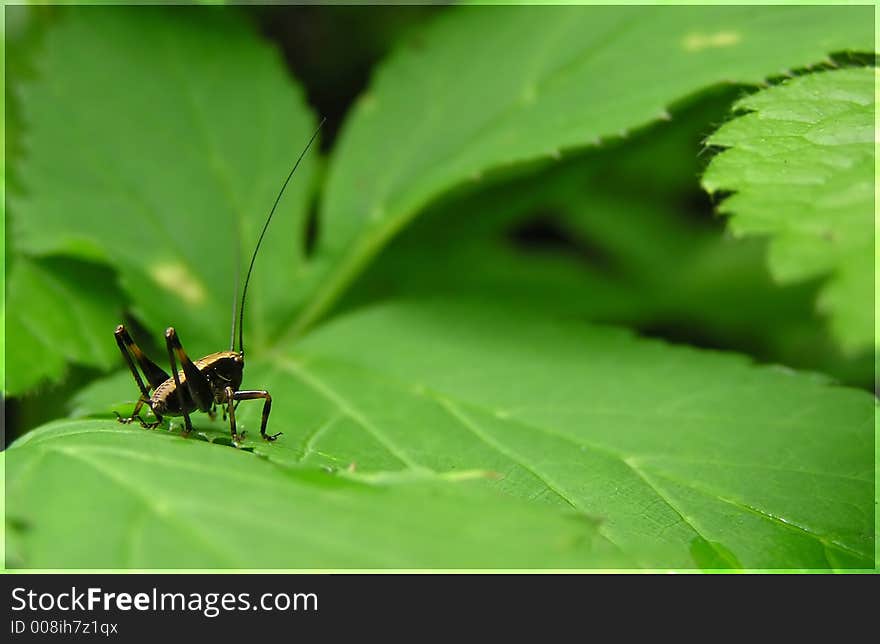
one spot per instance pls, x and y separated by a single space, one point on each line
223 369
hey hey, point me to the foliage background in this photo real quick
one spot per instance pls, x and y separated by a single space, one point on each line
420 309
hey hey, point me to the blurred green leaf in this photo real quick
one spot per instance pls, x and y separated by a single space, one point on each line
802 166
58 312
487 87
159 149
193 162
163 502
665 445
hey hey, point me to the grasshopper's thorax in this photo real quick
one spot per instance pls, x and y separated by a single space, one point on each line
222 369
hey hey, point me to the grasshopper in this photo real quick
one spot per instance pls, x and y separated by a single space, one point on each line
212 381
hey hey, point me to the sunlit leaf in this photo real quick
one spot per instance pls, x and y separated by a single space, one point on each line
667 446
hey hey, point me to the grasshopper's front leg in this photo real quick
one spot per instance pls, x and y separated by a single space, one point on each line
267 407
224 410
229 410
234 397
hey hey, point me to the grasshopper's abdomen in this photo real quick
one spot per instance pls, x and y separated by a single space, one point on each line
164 400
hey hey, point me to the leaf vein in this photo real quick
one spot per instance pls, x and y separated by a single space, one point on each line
348 409
468 423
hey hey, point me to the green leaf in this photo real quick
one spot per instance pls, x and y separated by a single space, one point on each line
487 87
165 502
59 311
159 149
802 166
573 237
673 449
56 316
680 457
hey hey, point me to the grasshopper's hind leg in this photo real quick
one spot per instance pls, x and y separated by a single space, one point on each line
135 415
155 376
196 383
154 373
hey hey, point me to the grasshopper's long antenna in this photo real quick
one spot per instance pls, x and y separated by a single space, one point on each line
235 294
247 279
